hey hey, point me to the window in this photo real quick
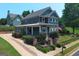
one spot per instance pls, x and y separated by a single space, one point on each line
42 20
46 20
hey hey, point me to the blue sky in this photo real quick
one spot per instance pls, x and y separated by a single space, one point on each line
18 8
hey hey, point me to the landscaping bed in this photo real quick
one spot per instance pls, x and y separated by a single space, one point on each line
40 41
7 49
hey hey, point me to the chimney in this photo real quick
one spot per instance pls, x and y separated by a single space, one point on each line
8 12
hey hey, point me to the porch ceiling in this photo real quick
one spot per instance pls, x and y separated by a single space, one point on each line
35 25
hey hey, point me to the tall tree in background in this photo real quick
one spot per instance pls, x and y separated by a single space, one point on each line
25 13
70 14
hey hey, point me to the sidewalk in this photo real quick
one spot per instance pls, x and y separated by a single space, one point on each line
23 49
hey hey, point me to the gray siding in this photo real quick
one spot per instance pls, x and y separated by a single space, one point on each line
31 20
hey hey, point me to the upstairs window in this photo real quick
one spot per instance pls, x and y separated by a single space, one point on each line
42 20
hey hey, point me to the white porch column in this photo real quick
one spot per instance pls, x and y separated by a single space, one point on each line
39 29
32 30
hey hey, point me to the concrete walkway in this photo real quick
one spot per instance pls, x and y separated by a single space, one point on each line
23 49
59 49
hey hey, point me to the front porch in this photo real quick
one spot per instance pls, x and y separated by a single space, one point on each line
35 29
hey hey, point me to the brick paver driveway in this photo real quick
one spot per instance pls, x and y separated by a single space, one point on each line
23 49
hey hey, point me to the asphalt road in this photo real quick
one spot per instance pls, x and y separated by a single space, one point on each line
76 54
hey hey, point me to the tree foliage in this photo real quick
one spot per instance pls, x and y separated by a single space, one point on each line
70 13
3 21
25 13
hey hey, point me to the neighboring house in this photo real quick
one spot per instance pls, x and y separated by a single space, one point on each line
14 19
41 21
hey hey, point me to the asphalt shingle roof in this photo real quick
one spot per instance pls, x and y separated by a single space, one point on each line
38 13
12 16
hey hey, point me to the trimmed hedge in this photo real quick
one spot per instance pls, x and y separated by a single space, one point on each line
28 39
45 49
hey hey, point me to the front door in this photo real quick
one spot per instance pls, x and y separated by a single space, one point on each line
29 30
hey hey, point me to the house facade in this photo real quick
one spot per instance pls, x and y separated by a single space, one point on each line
42 21
14 19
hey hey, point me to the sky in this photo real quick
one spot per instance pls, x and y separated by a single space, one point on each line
18 8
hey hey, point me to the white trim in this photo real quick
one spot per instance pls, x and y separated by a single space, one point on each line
39 29
32 30
36 24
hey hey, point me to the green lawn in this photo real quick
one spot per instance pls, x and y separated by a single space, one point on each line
7 49
66 39
70 29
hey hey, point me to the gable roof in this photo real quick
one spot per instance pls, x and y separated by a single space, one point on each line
39 12
50 14
13 16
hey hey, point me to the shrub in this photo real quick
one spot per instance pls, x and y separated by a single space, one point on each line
45 49
17 35
41 38
28 39
64 31
54 35
58 45
52 47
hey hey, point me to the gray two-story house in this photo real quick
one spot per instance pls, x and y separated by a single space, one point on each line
42 21
14 19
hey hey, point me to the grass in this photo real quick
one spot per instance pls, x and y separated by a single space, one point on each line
70 29
66 39
7 49
68 50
